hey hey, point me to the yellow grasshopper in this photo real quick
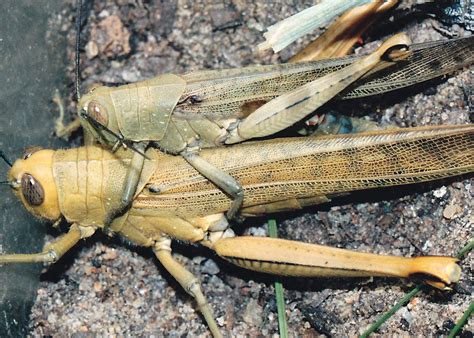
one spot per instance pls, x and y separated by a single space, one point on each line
182 114
176 202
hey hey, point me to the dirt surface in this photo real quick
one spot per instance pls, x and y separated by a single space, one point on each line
105 287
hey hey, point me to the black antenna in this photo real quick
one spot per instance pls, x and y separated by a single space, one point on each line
100 127
78 41
2 155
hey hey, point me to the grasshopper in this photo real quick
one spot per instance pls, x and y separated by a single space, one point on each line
183 114
441 51
176 202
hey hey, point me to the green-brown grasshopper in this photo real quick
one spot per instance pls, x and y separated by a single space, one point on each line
182 114
175 202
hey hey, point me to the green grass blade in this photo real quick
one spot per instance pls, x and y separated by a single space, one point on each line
462 321
374 327
464 251
465 317
282 326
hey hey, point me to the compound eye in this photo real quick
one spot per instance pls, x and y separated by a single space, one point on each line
30 151
32 190
97 112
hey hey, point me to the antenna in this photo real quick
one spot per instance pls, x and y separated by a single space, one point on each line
2 155
78 41
5 158
100 127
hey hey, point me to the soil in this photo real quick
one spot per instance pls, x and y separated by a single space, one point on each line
106 287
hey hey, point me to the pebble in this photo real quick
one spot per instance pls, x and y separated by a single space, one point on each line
110 254
97 287
452 211
92 50
413 303
256 231
407 315
440 192
220 321
210 267
224 16
52 318
253 313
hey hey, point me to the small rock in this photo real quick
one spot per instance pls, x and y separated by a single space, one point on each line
111 37
92 50
137 303
89 270
253 313
105 13
256 231
407 315
440 192
354 298
210 267
224 17
198 260
452 211
426 246
220 321
97 287
42 293
84 285
52 318
413 303
110 254
130 76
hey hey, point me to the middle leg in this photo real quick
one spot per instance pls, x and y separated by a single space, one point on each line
187 280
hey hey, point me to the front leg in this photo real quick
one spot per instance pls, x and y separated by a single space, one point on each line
132 179
133 174
51 252
187 280
60 129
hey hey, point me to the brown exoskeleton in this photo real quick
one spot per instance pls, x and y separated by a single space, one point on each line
182 114
174 201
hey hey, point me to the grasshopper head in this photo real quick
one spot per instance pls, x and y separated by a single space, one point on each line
31 179
97 113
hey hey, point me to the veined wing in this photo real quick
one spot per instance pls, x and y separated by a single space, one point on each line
238 92
285 169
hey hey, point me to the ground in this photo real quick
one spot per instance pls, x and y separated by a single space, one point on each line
106 287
